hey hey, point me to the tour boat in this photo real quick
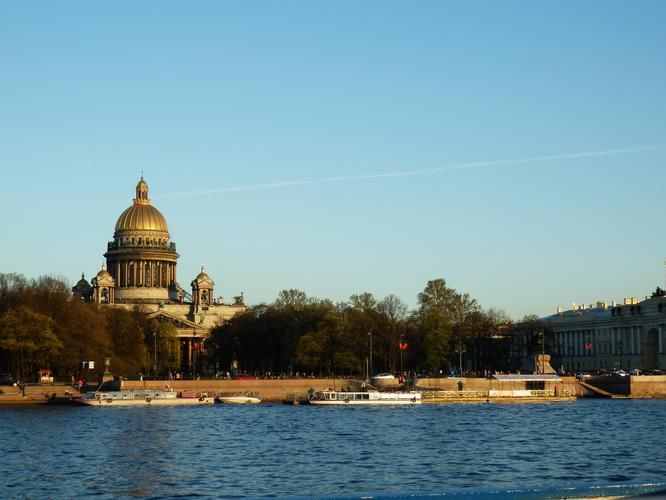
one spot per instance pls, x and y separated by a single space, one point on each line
363 398
239 399
142 398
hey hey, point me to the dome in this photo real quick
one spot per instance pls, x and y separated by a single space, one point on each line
82 283
103 274
203 278
142 216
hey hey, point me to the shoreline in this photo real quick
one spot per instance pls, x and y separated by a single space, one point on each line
435 390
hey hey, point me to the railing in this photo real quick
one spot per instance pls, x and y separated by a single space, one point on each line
494 394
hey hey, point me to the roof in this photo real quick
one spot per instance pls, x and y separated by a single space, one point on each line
528 378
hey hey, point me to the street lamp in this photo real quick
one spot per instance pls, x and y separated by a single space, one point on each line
460 349
401 347
370 364
542 366
194 355
155 354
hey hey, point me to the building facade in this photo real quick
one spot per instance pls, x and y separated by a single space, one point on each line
612 336
140 270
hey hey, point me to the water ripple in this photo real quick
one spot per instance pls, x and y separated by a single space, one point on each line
275 450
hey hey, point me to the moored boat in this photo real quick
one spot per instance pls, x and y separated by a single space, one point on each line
239 399
142 398
365 398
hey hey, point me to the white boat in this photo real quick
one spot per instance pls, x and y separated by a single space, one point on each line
363 398
239 399
142 398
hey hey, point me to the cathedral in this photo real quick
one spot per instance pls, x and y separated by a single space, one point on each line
140 270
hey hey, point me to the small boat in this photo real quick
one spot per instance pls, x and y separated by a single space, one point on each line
239 399
364 398
143 398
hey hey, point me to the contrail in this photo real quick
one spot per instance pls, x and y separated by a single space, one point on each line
412 173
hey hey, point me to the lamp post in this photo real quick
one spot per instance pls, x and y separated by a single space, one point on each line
543 352
401 349
460 349
194 355
155 354
370 363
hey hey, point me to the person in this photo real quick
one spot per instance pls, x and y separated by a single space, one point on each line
79 385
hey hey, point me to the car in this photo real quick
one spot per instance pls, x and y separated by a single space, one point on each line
6 380
244 376
384 376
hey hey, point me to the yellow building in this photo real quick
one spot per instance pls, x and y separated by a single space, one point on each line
140 269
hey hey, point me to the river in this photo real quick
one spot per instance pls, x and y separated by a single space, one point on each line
456 450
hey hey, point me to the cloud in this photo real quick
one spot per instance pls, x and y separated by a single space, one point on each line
412 173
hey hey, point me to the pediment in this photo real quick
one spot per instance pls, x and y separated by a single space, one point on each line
179 321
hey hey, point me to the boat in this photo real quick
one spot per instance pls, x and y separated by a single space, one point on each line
143 398
364 398
239 399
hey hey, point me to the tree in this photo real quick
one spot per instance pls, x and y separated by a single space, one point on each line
27 341
291 299
365 302
435 322
128 343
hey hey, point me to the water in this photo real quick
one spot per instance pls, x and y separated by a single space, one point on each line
277 450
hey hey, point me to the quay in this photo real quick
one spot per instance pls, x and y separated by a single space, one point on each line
435 390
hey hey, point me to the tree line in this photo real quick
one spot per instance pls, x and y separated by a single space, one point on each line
43 326
446 332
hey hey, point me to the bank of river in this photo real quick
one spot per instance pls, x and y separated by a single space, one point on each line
274 449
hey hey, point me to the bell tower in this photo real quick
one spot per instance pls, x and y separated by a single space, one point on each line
202 291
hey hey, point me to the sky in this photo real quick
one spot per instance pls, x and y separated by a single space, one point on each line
515 149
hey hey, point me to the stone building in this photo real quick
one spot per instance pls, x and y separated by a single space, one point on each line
140 270
625 336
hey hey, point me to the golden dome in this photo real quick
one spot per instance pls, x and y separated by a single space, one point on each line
142 216
103 274
203 278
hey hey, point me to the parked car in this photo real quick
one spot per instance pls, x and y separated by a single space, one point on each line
244 376
7 380
384 376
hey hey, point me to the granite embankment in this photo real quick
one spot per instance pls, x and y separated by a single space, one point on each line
275 390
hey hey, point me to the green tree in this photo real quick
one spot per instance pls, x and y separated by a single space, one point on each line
128 344
27 341
435 322
291 299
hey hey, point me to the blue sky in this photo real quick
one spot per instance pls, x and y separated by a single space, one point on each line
515 149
